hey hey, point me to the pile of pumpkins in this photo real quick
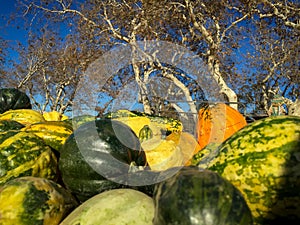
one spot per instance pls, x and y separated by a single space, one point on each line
129 167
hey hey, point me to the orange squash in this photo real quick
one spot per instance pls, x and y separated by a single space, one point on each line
218 122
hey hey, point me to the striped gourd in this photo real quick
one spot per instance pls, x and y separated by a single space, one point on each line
25 154
33 201
23 116
263 161
54 133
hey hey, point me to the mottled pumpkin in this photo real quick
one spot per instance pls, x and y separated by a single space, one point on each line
218 122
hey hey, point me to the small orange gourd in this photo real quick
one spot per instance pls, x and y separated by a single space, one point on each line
218 122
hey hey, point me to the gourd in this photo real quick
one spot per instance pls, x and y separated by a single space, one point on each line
157 135
34 200
146 126
98 155
12 98
118 206
25 154
54 116
262 161
195 196
218 122
23 116
54 133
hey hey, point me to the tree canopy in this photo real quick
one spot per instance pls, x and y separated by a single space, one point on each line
248 48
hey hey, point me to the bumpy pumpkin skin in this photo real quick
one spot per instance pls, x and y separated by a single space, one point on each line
262 161
194 196
33 200
217 123
11 98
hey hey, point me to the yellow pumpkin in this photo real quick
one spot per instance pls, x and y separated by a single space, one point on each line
23 116
54 116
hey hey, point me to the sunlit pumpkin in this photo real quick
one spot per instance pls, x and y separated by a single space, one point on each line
218 122
187 144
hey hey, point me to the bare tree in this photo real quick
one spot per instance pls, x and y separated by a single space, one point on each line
212 30
274 56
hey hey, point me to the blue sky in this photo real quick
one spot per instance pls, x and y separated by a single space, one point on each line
10 33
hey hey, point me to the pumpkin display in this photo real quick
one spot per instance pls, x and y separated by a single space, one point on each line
54 133
194 196
97 155
12 98
118 206
161 152
146 126
25 154
218 122
23 116
262 161
34 200
54 116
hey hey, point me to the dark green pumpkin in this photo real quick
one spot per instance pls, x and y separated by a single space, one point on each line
11 98
98 156
199 197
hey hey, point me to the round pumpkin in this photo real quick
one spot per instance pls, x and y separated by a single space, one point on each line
195 196
218 122
118 206
12 98
98 156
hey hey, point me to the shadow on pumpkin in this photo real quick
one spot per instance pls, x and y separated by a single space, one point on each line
285 208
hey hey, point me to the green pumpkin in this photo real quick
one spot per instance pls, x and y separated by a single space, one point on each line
195 196
11 98
263 161
98 156
34 201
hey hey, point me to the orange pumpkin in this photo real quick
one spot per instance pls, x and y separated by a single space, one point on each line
218 122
